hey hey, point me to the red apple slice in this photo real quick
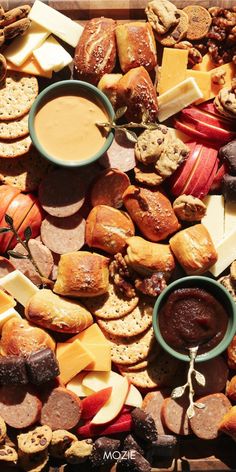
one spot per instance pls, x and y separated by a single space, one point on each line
216 184
188 129
205 190
177 183
93 403
210 132
197 114
122 424
33 219
115 403
209 107
202 171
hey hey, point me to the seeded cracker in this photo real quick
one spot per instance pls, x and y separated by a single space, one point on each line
17 95
132 324
111 305
14 129
129 350
15 148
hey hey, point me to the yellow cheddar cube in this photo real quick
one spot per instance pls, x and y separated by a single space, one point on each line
93 334
72 358
30 66
6 301
173 68
203 80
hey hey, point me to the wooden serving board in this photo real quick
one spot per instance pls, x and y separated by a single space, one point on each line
192 454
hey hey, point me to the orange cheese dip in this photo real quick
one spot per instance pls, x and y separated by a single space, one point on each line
66 127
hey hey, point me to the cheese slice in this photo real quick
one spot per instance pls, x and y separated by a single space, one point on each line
51 56
7 315
21 48
30 66
203 80
230 217
93 334
19 286
226 250
55 22
214 218
6 301
177 98
76 386
72 358
173 68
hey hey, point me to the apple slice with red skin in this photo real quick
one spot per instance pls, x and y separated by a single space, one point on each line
197 114
209 107
216 184
7 194
188 129
94 402
122 424
33 219
114 405
178 179
174 177
205 190
210 132
202 171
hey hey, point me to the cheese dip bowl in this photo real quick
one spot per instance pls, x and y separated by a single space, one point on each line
63 123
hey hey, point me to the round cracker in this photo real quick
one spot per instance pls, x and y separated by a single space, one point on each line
132 324
111 305
14 129
160 373
24 173
15 148
17 95
130 350
152 356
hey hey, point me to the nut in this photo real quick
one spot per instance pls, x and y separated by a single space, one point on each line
189 208
219 77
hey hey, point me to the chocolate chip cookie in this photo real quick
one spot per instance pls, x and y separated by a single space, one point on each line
173 154
162 15
33 462
79 451
228 100
36 440
61 441
3 430
176 33
150 144
8 453
147 175
199 22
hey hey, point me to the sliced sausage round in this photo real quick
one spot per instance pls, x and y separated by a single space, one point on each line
42 256
174 415
62 192
215 372
61 410
152 404
19 407
5 266
206 421
109 187
120 154
63 235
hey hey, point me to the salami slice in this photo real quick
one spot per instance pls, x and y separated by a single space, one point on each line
152 404
62 192
215 372
120 155
19 407
109 187
174 415
206 421
63 235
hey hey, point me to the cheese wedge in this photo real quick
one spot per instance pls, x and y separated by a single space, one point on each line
173 68
30 66
22 47
226 250
215 225
72 358
177 98
230 217
19 286
55 22
203 80
51 56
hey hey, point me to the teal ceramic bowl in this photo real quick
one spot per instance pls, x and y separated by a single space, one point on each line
70 87
215 289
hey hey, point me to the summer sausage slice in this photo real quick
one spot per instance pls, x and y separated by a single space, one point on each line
61 410
109 187
206 421
174 415
19 407
216 373
42 256
120 154
152 404
63 235
5 266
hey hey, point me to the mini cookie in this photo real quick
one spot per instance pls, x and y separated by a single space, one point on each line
3 430
16 29
150 144
199 22
130 350
61 441
176 33
8 453
11 16
14 129
111 305
3 68
227 99
36 440
221 109
17 96
79 451
15 148
33 462
147 175
162 15
173 154
132 324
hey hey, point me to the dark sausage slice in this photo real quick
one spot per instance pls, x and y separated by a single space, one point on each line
63 235
216 373
19 407
61 410
109 188
5 266
205 424
42 256
152 404
174 416
120 154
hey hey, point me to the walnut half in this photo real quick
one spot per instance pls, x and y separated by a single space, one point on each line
189 208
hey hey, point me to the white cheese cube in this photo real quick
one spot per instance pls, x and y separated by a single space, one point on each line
21 48
52 56
19 286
